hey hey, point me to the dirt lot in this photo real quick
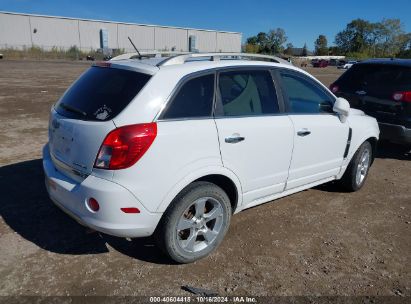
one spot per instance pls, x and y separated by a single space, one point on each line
318 242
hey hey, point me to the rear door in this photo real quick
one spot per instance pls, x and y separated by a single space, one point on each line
320 138
256 138
83 117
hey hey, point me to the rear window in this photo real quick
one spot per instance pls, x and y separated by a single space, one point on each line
100 93
374 75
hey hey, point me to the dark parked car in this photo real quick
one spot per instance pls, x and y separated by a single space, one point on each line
341 63
320 63
333 62
381 88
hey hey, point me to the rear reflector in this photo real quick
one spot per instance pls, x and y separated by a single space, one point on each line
402 96
93 205
124 146
130 210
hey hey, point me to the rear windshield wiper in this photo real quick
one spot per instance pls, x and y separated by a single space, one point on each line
72 109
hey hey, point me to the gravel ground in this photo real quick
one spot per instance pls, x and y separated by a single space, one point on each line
317 242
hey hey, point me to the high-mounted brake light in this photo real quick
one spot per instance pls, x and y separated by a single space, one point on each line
124 146
103 64
402 96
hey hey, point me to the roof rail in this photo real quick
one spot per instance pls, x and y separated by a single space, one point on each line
147 54
172 57
182 58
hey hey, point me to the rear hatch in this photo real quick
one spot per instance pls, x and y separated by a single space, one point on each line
83 117
371 88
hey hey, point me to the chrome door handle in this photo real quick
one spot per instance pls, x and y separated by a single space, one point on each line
234 139
303 132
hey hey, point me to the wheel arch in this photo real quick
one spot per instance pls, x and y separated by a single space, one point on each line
371 139
358 138
374 144
219 176
226 184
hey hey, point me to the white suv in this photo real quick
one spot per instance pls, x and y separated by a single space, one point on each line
174 146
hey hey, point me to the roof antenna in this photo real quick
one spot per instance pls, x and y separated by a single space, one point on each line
139 55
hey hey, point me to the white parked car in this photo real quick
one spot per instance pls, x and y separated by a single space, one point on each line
349 64
174 146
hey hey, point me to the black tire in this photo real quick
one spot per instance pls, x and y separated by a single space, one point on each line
350 181
178 244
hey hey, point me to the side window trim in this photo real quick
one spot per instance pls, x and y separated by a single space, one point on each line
218 105
279 90
285 96
180 84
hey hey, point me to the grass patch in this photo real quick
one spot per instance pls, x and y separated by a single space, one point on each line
37 53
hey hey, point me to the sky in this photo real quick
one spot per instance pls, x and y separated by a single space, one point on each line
302 20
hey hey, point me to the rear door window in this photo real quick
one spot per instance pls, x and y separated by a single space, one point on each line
247 93
193 100
101 93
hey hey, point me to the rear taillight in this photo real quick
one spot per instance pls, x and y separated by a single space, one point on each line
402 96
334 88
124 146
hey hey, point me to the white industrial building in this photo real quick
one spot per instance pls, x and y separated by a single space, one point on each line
25 30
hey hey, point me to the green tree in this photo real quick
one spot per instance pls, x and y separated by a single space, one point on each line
251 48
258 43
405 41
388 36
405 46
365 39
321 47
251 45
334 50
252 40
356 37
275 40
267 43
261 38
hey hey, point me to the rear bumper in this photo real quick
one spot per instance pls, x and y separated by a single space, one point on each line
71 196
395 133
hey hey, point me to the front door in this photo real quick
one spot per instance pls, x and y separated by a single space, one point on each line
320 138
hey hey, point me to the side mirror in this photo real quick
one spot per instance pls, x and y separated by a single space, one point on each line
342 107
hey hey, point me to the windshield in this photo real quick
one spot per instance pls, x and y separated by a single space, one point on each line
101 93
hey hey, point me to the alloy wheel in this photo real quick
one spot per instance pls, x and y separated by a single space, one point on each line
362 167
200 224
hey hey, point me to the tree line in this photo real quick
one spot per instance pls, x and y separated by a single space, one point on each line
359 39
